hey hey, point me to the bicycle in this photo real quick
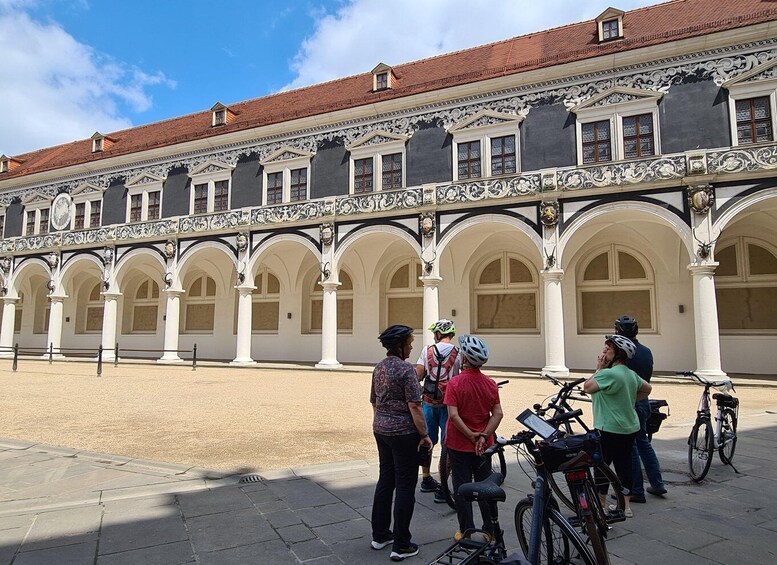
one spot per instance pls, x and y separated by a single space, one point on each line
703 440
498 465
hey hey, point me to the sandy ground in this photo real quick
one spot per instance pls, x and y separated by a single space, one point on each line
243 418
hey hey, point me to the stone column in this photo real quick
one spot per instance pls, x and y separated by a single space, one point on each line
244 312
110 309
553 322
7 328
705 320
55 325
172 318
431 305
329 327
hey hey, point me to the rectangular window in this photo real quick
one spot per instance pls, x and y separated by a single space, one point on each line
2 226
610 29
80 215
30 230
43 225
94 214
596 142
503 155
154 205
221 196
220 118
638 136
392 171
299 185
381 81
754 120
200 198
362 175
136 207
274 188
469 160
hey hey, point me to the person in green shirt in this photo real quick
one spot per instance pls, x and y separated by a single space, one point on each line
614 388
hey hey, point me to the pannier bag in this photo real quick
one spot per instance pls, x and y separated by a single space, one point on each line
656 416
571 452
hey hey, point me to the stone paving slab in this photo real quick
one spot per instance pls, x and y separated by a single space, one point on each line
116 511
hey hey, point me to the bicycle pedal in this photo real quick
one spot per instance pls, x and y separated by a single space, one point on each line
616 516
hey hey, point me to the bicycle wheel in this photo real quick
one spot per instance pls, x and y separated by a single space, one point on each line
700 449
594 523
560 544
728 435
446 481
609 479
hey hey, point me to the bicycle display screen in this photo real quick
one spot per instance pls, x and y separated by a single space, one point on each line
536 424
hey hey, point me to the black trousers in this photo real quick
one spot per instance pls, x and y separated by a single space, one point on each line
465 467
616 450
398 474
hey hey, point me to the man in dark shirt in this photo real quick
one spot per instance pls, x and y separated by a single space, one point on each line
642 364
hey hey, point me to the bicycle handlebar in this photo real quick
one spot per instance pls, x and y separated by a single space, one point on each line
727 384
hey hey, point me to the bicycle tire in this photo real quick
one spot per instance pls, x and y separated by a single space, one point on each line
498 465
561 491
728 433
592 526
700 449
561 544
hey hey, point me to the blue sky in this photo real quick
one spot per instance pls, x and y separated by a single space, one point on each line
73 67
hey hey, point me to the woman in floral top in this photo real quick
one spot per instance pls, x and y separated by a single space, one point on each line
400 432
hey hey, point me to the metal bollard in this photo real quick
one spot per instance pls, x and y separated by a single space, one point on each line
100 360
15 357
116 355
51 353
194 357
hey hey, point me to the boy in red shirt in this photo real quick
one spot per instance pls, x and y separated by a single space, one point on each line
474 413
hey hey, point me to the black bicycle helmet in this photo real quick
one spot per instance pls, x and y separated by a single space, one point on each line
394 335
626 326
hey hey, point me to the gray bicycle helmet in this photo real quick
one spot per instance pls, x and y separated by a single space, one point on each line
394 335
622 343
474 349
443 327
626 326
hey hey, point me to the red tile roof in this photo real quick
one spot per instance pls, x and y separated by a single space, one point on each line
662 23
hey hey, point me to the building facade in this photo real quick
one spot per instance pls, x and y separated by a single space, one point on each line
531 190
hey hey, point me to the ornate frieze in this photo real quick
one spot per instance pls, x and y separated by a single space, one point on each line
140 230
99 235
742 159
473 191
33 243
380 201
288 213
618 174
212 222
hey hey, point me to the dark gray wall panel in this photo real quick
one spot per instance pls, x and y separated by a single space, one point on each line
175 193
14 219
694 114
428 156
115 204
548 138
329 171
247 183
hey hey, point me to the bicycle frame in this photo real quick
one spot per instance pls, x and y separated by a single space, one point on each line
704 411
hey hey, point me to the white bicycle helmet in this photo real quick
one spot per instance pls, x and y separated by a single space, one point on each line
443 327
474 349
622 343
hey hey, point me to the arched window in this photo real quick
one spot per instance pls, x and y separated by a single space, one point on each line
200 305
42 308
344 305
94 311
611 283
746 286
405 295
266 302
17 324
145 308
506 296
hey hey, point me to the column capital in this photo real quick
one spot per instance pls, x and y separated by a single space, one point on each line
57 297
111 295
245 289
173 292
430 280
552 275
329 285
700 269
10 299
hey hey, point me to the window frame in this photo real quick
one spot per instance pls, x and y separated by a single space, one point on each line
281 162
208 174
316 292
372 147
415 288
467 133
143 302
505 287
32 210
745 91
202 299
87 195
261 295
144 186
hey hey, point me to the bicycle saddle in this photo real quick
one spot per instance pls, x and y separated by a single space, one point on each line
487 489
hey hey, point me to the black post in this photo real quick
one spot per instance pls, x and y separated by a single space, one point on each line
116 355
100 360
51 353
15 357
194 357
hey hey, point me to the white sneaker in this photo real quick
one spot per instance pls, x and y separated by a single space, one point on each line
627 512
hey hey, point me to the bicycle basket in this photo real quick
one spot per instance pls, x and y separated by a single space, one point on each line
656 417
571 452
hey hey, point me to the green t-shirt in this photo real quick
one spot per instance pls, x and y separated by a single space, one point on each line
614 401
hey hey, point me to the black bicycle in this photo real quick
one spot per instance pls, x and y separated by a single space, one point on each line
498 465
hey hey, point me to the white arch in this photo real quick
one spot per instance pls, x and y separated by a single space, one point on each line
739 206
199 247
520 225
268 244
126 259
669 218
13 292
79 258
360 233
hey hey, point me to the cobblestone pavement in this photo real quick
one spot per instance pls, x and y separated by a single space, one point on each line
61 506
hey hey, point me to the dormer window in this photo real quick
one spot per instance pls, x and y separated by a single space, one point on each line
221 115
100 142
610 25
381 77
5 164
97 145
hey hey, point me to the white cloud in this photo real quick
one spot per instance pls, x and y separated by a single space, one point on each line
55 89
363 33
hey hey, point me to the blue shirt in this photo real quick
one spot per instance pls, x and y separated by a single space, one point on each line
642 362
